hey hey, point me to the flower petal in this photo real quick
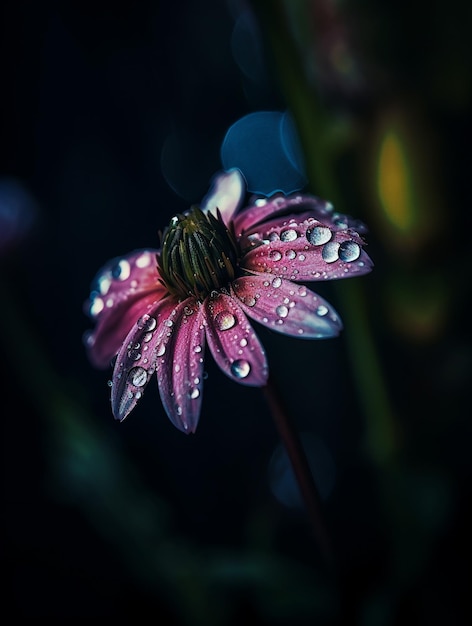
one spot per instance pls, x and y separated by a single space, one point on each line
180 349
233 342
308 250
286 307
226 194
121 292
136 360
260 210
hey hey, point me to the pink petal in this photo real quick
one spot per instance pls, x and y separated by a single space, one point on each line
233 342
261 209
136 360
286 307
308 250
122 291
226 193
180 349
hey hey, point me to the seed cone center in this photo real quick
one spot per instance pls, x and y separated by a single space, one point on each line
199 254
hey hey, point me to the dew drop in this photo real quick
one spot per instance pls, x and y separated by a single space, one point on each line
137 376
194 393
197 349
243 342
146 323
301 257
274 237
134 353
282 310
143 261
330 252
177 368
290 254
96 307
122 270
161 348
349 251
104 283
276 282
275 255
321 310
169 323
225 320
340 221
288 235
240 368
318 235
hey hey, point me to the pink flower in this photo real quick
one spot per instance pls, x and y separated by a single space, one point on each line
217 269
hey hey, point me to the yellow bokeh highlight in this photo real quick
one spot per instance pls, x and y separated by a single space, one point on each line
393 182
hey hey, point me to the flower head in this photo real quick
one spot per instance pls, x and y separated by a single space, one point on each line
218 267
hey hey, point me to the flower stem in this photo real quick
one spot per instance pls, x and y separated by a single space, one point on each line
301 468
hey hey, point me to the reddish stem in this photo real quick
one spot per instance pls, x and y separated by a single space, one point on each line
300 467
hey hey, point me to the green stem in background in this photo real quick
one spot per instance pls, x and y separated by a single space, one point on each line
315 129
301 468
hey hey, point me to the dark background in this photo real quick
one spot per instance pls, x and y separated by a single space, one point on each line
112 121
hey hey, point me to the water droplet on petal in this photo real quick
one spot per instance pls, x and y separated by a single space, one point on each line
122 270
243 342
104 283
318 235
137 376
349 251
161 348
249 301
197 349
288 235
240 368
144 260
282 310
225 320
146 322
194 393
276 282
330 252
134 352
96 307
290 254
340 221
275 255
177 368
321 310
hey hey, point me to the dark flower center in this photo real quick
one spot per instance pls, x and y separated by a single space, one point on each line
199 254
